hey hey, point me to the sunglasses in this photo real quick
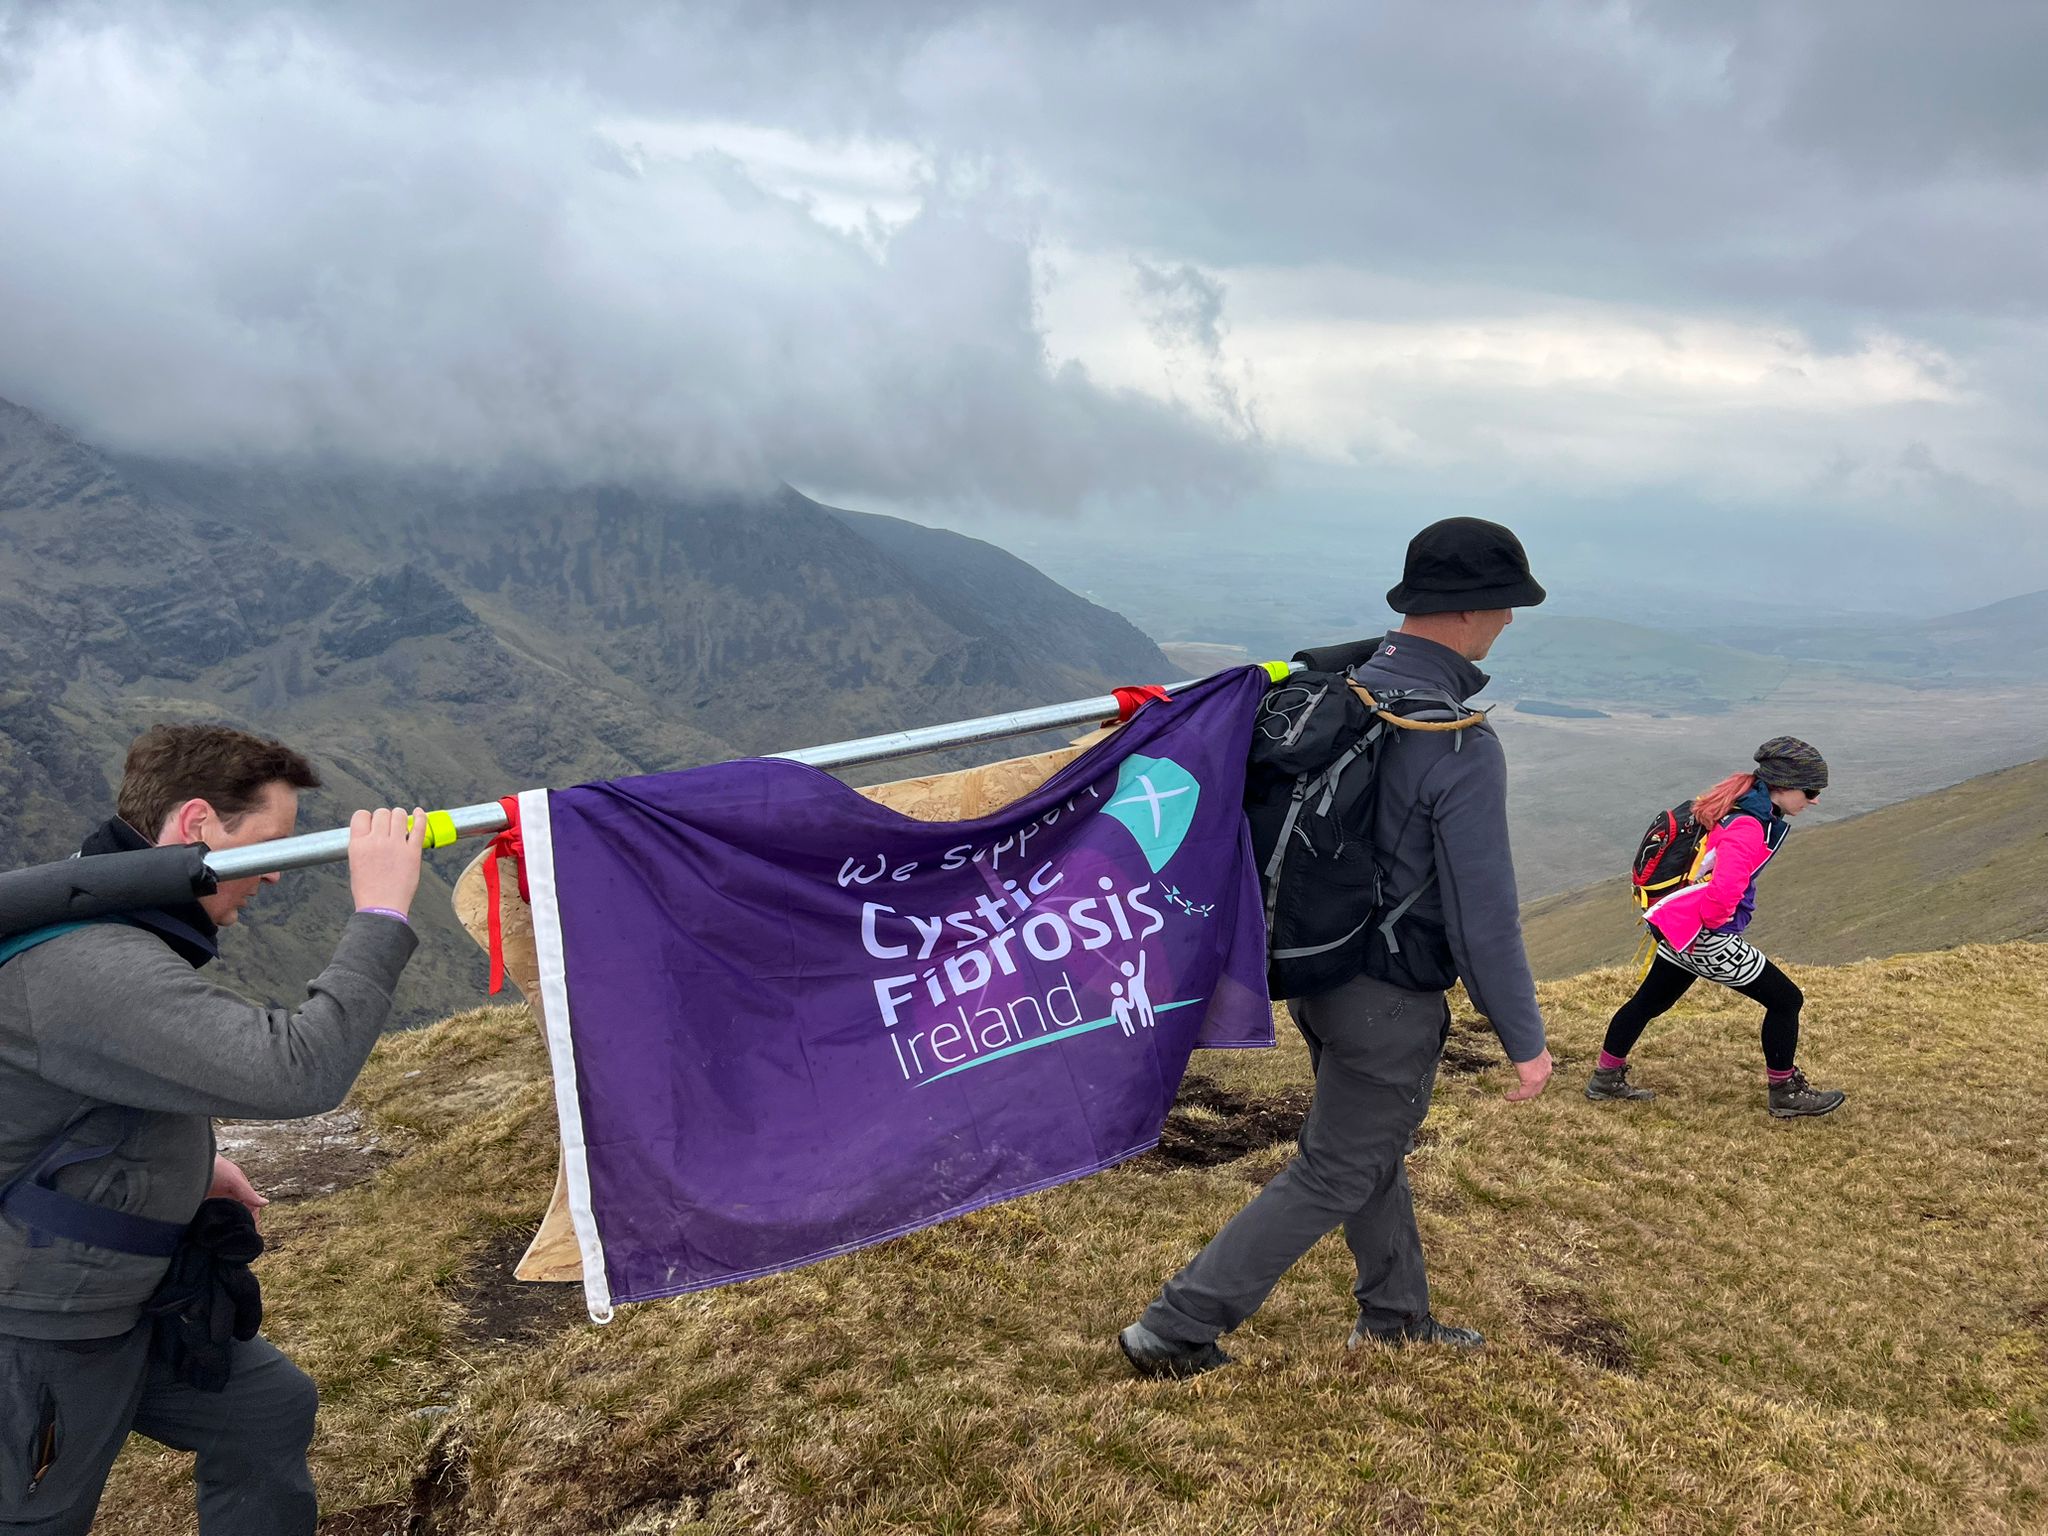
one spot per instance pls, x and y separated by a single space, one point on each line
1811 795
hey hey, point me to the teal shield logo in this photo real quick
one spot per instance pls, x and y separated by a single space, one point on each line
1155 798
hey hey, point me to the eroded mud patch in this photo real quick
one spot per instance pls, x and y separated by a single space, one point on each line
1463 1058
498 1309
1210 1124
305 1159
678 1487
1569 1322
1471 1047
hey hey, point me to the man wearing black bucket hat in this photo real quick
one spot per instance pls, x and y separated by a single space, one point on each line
1440 829
1468 565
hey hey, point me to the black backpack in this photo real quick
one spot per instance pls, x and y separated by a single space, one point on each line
1666 854
1310 796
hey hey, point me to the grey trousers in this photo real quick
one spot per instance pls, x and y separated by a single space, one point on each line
1375 1050
67 1406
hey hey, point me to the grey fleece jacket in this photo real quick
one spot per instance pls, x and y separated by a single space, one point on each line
1443 805
109 1016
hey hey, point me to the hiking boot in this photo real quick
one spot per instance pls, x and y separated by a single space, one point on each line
1796 1096
1613 1083
1428 1331
1150 1355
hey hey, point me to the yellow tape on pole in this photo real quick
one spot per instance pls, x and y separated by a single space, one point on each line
440 829
1279 671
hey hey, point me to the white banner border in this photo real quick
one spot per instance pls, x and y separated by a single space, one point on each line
537 835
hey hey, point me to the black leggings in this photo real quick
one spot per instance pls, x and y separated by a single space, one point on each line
1667 983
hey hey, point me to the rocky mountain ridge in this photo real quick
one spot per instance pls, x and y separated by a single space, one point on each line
451 642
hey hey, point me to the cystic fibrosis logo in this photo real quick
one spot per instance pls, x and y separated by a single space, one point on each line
1155 798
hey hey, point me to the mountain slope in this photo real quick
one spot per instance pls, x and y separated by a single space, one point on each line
2002 641
771 621
2014 632
1960 865
446 641
989 593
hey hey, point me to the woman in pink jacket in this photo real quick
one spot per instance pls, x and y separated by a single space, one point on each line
1699 928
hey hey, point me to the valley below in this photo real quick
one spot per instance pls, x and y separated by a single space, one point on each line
1580 792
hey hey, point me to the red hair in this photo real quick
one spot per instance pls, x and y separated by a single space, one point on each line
1709 808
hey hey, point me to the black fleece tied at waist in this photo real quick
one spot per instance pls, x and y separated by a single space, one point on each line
209 1298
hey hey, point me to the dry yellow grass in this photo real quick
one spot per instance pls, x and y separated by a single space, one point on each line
1700 1320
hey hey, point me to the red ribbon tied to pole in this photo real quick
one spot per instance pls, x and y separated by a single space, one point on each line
1130 700
508 844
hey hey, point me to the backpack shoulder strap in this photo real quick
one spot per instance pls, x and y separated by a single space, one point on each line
21 943
32 1199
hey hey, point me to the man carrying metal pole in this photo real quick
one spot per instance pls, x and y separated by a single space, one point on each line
125 1300
1439 822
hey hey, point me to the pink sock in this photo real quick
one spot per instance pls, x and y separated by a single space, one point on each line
1778 1077
1612 1063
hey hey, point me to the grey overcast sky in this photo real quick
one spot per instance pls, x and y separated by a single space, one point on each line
1759 277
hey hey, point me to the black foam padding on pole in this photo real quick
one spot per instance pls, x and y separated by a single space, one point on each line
73 890
1339 658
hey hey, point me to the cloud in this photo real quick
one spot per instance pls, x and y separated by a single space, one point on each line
1821 156
1182 311
262 243
1042 253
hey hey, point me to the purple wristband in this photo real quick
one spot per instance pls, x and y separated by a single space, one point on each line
384 912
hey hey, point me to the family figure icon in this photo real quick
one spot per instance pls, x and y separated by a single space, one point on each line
1128 998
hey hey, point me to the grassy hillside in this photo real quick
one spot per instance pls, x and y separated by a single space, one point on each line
1963 862
1701 1320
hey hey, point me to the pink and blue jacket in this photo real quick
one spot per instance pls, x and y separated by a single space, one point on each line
1722 896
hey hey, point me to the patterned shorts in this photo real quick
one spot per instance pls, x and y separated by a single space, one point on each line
1727 958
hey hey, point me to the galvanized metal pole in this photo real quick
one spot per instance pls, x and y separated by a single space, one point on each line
312 848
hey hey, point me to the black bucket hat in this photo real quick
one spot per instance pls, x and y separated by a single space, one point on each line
1464 563
1786 762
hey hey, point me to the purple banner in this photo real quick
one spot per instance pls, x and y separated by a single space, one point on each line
787 1021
